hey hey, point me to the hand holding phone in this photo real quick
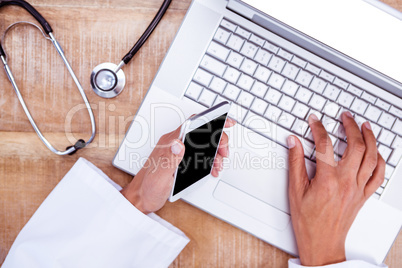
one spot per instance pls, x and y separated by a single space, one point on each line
151 187
201 136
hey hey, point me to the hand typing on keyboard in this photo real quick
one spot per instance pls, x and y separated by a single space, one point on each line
324 208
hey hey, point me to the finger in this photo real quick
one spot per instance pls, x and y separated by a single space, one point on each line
376 179
356 147
229 122
223 148
324 150
298 178
217 166
167 160
370 156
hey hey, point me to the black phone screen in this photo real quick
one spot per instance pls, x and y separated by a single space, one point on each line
201 146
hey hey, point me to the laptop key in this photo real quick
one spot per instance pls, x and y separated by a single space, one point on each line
207 98
262 74
388 171
286 120
397 128
276 64
284 54
345 99
318 85
331 92
248 66
304 78
373 113
382 104
193 91
259 106
368 97
213 65
262 57
299 62
286 103
232 75
249 50
219 99
300 110
340 83
317 102
331 109
300 127
376 129
273 113
245 82
235 59
386 137
235 42
257 40
273 96
354 90
327 76
359 106
313 69
218 51
290 71
228 25
242 32
290 87
203 77
218 85
270 47
221 36
245 99
386 120
276 81
395 111
259 89
395 157
304 95
384 151
231 92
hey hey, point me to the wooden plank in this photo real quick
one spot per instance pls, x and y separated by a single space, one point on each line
90 33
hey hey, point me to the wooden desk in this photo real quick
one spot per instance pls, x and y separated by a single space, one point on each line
92 32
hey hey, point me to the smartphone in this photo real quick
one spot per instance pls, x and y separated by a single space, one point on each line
201 135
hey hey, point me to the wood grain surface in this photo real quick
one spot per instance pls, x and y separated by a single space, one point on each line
92 32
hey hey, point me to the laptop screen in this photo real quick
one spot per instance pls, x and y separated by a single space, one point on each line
354 27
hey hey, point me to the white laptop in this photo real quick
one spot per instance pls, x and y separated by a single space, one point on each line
277 62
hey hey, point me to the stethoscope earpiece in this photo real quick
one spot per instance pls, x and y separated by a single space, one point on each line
108 80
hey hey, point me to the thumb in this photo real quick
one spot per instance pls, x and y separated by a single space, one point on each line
177 149
298 178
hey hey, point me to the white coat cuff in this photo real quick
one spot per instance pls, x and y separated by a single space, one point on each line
295 263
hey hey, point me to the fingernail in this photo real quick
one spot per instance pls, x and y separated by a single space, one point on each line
348 114
176 148
291 142
312 118
367 125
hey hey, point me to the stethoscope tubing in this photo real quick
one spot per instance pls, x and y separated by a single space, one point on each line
48 30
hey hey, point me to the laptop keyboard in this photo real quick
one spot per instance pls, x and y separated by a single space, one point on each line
273 92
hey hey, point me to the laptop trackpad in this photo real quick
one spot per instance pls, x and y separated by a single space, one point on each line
251 206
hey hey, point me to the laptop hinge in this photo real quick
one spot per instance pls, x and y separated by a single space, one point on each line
316 47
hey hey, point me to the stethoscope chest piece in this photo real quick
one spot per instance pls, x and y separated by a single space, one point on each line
107 80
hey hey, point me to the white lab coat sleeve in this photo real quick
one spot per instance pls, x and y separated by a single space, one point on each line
295 263
86 222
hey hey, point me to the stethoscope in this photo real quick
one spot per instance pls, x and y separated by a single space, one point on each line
49 36
108 79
